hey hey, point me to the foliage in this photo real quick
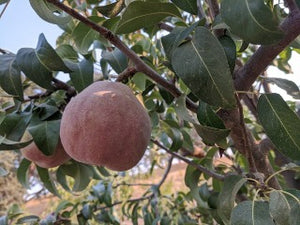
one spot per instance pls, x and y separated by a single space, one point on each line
191 63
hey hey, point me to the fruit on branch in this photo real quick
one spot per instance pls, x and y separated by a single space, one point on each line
32 153
105 125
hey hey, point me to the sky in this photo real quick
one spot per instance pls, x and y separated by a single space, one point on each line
20 27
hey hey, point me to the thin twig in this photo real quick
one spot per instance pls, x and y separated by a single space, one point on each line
147 197
213 8
5 7
197 166
128 72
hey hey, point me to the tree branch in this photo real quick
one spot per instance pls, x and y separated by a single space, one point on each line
139 64
197 166
128 72
5 7
259 61
213 8
292 5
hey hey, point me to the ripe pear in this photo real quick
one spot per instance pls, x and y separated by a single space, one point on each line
32 153
105 125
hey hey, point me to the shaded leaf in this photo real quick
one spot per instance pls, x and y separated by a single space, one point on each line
226 199
111 10
6 144
67 52
14 125
45 134
289 86
10 76
47 181
207 117
251 20
28 219
81 174
279 207
202 65
249 213
139 14
82 75
281 124
187 5
293 198
84 36
116 59
230 50
22 172
49 12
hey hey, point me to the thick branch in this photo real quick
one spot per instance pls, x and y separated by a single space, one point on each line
197 166
292 5
128 72
213 8
259 61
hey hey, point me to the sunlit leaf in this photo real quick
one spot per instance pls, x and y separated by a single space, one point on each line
252 20
139 14
281 124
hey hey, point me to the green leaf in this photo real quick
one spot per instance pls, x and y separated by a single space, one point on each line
111 10
289 86
249 213
67 52
22 172
230 50
191 180
84 36
293 198
116 59
47 180
209 135
6 144
49 12
33 69
279 207
226 199
45 134
202 65
14 125
139 14
81 174
207 117
47 109
82 75
187 5
281 124
251 20
10 76
3 172
28 219
3 1
48 56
